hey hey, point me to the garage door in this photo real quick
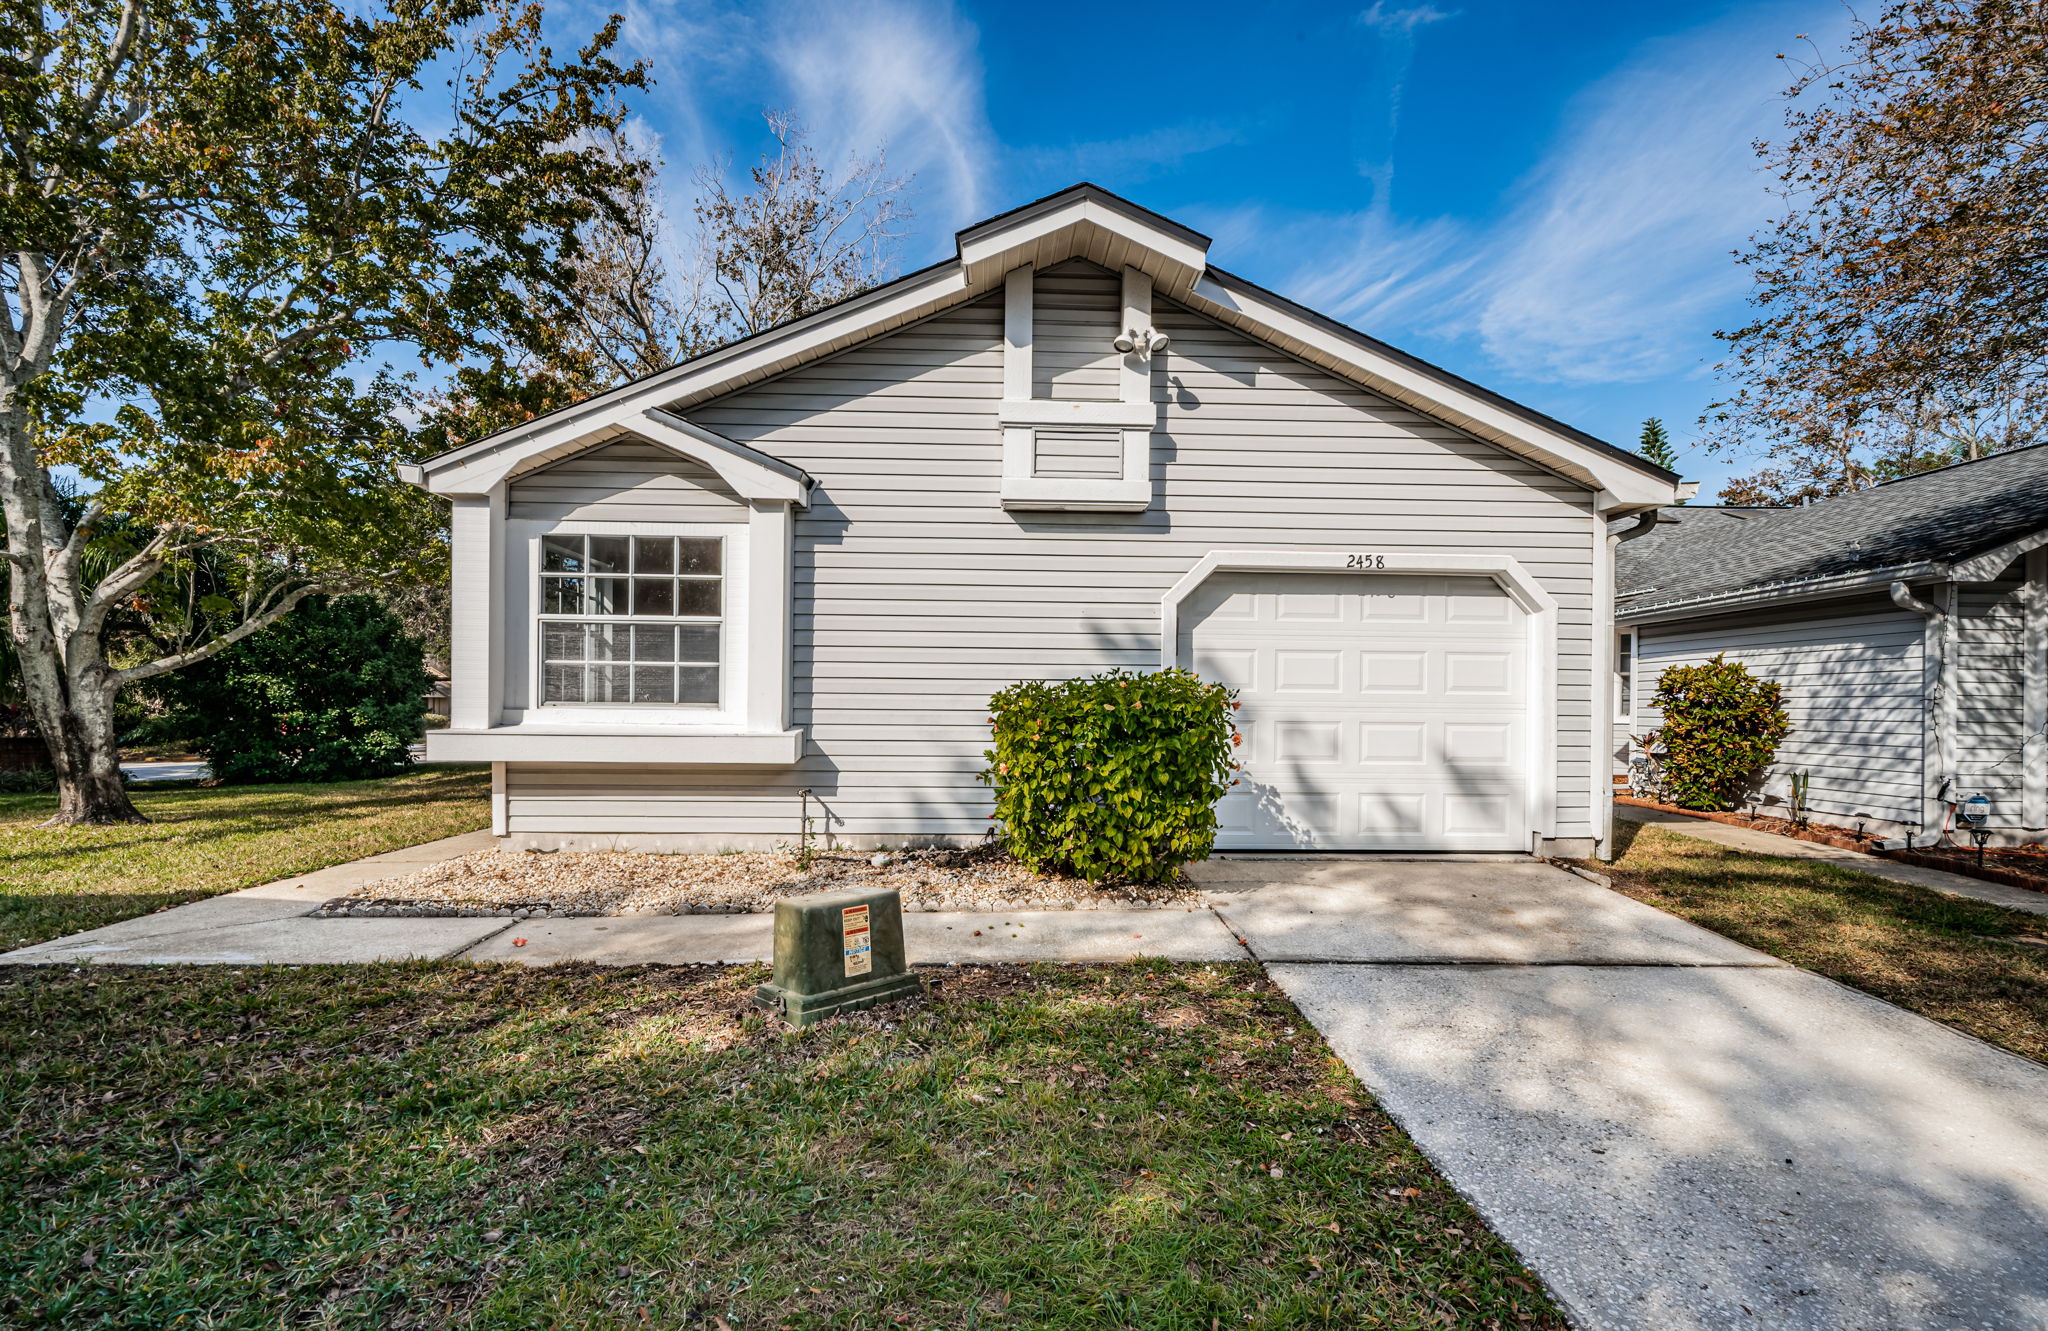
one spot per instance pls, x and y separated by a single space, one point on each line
1381 711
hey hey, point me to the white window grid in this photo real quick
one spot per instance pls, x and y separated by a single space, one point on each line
631 620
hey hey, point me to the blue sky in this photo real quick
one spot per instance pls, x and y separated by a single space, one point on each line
1541 197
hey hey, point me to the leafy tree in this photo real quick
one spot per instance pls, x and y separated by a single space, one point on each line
1903 291
1654 445
331 693
229 229
1721 727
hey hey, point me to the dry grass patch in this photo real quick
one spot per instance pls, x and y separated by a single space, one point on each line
1978 967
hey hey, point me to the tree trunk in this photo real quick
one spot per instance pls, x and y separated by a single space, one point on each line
85 752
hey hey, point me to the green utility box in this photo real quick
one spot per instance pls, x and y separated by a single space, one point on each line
837 951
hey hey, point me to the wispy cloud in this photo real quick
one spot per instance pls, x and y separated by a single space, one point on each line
908 75
862 75
1614 254
1393 31
1128 160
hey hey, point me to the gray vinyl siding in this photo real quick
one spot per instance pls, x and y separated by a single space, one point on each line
1990 706
916 595
627 481
1852 678
1073 451
1077 307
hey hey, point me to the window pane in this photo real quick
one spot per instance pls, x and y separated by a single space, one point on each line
562 683
561 554
607 597
610 642
562 642
654 596
700 554
654 554
697 596
562 596
654 642
608 553
697 684
699 643
654 684
607 683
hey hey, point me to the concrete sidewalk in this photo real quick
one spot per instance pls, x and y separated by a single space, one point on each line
1770 843
1678 1133
270 925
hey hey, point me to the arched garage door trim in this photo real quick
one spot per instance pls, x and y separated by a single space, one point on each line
1538 606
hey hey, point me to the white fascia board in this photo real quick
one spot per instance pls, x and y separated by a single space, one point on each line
1047 411
750 472
527 744
1176 250
1076 495
744 361
1626 485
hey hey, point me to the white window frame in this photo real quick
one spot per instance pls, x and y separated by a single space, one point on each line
542 617
1626 647
736 606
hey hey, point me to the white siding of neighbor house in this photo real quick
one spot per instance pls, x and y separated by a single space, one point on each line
1852 678
627 481
917 595
1990 705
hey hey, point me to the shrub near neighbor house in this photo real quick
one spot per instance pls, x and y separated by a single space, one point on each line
331 692
1113 776
1721 726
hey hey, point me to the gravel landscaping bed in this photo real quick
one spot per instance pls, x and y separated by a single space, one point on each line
528 884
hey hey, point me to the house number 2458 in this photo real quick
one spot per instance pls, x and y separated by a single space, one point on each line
1365 561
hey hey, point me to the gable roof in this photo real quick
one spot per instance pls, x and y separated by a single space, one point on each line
1967 522
1086 221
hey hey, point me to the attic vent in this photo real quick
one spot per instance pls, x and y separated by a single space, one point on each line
1091 452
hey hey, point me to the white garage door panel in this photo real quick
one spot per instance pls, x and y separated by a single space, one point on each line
1380 711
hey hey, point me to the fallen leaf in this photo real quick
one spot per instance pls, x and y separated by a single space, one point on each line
519 942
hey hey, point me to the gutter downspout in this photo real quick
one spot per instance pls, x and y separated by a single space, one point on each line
1617 531
2034 683
1938 694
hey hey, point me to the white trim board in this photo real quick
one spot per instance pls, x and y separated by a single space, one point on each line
1539 609
1087 222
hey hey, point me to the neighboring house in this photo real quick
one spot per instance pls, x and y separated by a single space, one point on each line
787 575
1907 624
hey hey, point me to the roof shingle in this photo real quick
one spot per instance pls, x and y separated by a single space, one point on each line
1945 515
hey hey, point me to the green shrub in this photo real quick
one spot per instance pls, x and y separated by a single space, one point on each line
331 692
1114 776
1721 726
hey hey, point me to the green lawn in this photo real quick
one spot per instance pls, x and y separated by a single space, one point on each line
438 1144
1951 959
56 881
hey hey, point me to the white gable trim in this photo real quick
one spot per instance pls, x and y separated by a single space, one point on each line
1086 222
1538 606
751 473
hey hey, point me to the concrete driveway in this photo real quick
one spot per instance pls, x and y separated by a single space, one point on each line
1676 1131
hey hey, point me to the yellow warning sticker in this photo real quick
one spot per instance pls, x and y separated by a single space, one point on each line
857 940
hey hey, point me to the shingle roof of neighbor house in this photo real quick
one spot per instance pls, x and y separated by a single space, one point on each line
1705 553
